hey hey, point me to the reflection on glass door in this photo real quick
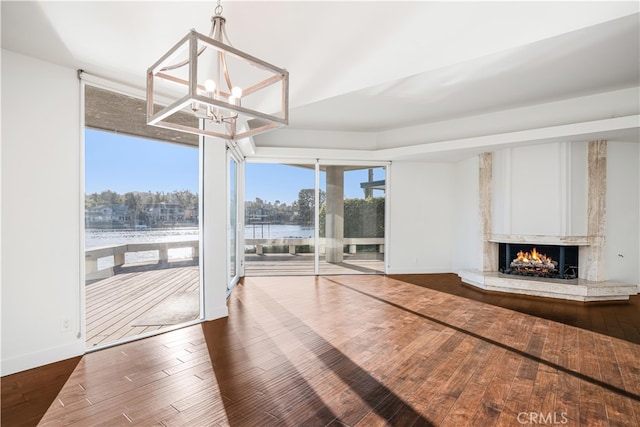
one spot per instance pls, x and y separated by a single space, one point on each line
352 219
279 219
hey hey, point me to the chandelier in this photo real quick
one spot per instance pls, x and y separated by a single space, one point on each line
235 94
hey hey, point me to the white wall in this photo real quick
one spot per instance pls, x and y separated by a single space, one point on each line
421 210
623 212
467 238
41 212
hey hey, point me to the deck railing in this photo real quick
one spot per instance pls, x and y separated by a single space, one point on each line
117 252
293 242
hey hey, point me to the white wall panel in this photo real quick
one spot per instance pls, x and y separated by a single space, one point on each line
540 190
535 190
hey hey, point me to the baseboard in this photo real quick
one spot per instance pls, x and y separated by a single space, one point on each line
216 313
40 358
417 270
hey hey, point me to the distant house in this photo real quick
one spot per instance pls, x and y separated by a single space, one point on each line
191 214
164 213
111 215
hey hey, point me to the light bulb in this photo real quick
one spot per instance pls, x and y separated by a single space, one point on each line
236 92
210 85
232 99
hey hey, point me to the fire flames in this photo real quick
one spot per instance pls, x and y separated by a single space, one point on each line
533 262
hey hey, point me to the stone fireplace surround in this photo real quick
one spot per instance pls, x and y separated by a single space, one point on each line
590 286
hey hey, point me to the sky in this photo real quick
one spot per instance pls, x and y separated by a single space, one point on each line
122 163
272 182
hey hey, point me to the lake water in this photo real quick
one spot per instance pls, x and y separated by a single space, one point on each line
273 231
98 238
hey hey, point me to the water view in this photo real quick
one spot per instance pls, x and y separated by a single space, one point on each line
99 238
276 231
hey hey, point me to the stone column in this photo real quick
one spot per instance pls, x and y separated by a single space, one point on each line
592 257
335 214
489 249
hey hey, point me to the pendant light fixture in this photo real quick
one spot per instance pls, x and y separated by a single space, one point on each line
235 94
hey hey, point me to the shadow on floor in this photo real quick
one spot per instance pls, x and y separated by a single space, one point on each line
27 395
617 319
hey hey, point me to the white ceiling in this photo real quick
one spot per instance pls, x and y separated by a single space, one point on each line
361 66
587 61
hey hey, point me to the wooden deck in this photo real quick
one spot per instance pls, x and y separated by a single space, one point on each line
357 351
139 301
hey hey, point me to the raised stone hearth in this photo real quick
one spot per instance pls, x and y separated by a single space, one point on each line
575 289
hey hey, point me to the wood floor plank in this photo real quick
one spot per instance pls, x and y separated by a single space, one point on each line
495 394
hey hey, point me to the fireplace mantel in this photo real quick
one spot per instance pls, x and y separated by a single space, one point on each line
540 239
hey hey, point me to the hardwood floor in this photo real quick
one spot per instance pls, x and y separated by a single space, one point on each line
364 351
615 319
27 395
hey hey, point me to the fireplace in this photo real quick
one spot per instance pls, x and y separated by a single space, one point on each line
547 261
576 224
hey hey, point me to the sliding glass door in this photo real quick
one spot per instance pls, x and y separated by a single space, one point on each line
142 238
292 209
279 219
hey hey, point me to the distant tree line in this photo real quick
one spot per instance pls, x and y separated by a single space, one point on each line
261 211
300 212
135 200
362 217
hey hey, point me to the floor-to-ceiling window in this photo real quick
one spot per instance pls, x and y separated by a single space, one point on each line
141 232
289 206
279 219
